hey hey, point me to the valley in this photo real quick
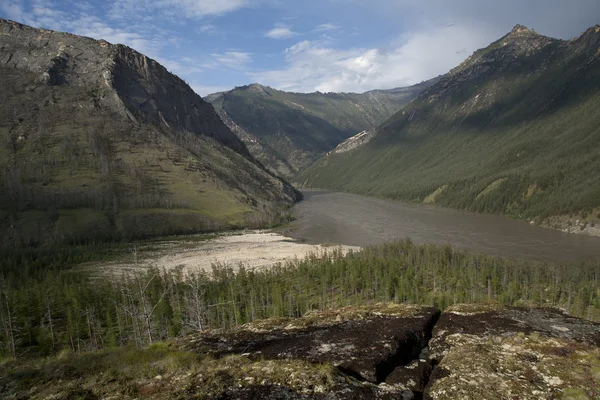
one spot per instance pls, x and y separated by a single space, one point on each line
326 222
263 243
288 131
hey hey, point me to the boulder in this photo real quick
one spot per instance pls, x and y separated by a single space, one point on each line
367 343
494 352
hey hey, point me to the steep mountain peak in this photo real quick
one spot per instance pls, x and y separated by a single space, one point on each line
521 29
521 33
520 41
500 119
593 32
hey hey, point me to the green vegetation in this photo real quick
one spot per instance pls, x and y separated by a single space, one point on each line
288 131
159 371
47 306
108 145
103 177
514 131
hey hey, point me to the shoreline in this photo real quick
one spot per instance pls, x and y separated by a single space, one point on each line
255 249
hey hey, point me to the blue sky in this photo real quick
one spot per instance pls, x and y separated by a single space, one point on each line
305 45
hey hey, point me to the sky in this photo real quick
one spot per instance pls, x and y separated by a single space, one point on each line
305 45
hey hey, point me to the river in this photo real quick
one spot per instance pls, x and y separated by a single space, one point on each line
341 218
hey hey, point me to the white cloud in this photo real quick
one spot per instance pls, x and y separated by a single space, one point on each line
419 56
13 10
236 60
281 31
326 27
208 29
90 26
122 9
183 67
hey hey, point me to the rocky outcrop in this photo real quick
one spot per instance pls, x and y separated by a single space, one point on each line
354 142
493 352
366 343
147 90
475 352
382 351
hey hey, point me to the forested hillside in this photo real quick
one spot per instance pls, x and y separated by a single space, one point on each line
48 306
288 131
514 129
101 142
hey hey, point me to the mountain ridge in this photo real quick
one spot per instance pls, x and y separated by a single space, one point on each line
99 134
287 131
515 118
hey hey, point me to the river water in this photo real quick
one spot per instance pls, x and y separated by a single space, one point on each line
341 218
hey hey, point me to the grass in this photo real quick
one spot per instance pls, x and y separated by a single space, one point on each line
101 370
160 371
433 196
208 200
491 188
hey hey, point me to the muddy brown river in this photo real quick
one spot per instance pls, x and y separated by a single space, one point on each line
340 218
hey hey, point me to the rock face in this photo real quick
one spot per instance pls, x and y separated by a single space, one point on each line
492 352
365 343
288 131
100 141
354 142
475 352
147 90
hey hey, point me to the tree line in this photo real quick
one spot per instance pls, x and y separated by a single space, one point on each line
47 306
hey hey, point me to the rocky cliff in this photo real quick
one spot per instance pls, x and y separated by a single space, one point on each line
99 135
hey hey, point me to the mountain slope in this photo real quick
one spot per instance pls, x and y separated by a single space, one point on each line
99 141
288 131
514 129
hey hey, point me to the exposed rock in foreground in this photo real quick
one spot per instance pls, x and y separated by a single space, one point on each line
370 352
367 343
491 352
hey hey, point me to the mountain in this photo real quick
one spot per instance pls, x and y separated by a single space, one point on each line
100 141
288 131
514 129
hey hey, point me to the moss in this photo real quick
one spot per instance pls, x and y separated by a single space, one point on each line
522 366
326 317
575 394
475 308
159 371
